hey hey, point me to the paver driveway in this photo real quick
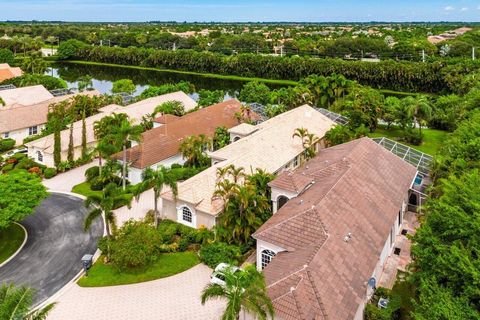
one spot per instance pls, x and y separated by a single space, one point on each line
56 243
173 298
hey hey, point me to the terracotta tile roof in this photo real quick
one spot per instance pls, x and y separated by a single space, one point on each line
289 181
164 142
16 117
166 118
357 188
7 72
269 148
135 112
25 95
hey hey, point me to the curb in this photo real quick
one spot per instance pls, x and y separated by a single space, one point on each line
72 282
19 249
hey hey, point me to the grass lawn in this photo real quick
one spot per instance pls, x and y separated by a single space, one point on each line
10 240
168 264
433 139
84 189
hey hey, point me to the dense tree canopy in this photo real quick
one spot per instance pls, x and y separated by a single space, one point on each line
20 193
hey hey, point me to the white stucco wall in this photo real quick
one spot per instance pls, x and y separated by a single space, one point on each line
276 193
19 135
172 210
135 174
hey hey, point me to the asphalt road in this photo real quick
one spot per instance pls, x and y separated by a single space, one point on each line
56 243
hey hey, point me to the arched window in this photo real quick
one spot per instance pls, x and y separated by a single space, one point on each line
39 156
186 215
267 256
281 201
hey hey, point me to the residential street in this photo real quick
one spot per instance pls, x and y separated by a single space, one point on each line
56 243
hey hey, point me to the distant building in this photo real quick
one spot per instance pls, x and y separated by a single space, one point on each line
161 145
42 149
324 250
7 72
26 113
47 52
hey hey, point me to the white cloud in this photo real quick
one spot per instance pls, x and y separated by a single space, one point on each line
449 8
464 9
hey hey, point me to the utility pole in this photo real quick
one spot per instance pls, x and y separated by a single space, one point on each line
174 46
101 43
423 55
473 53
281 51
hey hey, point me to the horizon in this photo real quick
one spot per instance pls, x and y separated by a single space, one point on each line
243 11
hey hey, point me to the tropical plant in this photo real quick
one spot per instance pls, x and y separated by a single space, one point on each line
193 150
15 304
102 205
157 179
207 98
124 85
244 290
170 107
33 63
255 92
221 138
85 83
309 142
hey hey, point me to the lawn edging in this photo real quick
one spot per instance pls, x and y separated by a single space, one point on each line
150 274
19 248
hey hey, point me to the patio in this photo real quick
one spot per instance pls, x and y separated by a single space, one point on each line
401 260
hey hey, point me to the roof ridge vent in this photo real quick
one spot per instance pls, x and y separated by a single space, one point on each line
347 237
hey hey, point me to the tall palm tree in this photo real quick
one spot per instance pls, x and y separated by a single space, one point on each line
300 133
310 144
102 205
126 133
158 179
244 289
15 304
422 110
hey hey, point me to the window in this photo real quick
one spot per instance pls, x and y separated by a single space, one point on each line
267 256
6 134
186 215
399 218
32 130
295 162
39 156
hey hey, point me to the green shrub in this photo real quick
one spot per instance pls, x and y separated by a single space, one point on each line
136 245
26 80
8 167
218 252
6 144
176 166
413 136
49 173
92 173
18 156
6 56
183 244
96 184
25 163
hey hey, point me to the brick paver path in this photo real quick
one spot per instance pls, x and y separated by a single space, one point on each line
173 298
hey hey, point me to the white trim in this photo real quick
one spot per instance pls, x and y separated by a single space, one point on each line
19 248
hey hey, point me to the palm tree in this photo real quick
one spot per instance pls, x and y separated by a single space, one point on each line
300 133
193 149
244 289
102 205
310 145
15 304
422 110
158 179
124 134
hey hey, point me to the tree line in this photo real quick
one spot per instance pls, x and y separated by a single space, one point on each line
400 76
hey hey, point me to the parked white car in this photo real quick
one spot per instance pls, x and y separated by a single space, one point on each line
218 277
14 151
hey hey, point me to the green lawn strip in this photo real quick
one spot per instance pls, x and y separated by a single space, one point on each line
84 190
432 142
11 239
168 264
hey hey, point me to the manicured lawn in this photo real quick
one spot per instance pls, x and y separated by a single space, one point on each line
168 264
84 189
433 139
10 240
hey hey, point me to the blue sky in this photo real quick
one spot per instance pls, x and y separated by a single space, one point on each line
241 10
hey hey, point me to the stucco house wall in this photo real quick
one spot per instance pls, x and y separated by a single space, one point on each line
20 134
173 210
